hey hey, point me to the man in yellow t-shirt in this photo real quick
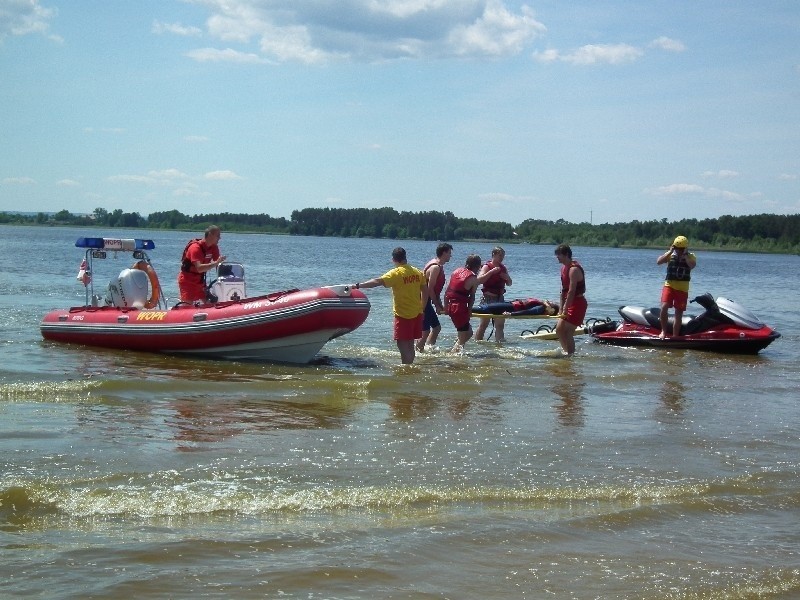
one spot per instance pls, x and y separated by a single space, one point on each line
409 296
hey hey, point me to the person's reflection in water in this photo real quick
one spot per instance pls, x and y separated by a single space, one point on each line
673 390
568 386
407 407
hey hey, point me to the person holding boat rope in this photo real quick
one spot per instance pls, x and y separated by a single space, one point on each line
199 257
409 297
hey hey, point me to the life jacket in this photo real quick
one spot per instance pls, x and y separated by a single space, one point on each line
518 305
495 285
457 291
186 264
580 290
678 268
439 286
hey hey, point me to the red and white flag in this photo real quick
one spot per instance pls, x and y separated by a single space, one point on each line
84 275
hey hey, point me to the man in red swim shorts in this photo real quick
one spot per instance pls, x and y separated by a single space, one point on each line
675 293
573 300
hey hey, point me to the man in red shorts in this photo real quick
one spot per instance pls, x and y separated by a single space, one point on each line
573 299
675 293
409 297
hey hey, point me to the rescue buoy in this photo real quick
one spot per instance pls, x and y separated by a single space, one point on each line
155 287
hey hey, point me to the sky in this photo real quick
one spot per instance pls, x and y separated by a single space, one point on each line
593 111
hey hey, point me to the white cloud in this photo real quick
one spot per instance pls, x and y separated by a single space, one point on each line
67 183
497 32
593 54
221 176
722 174
368 30
19 181
690 189
227 55
788 177
176 29
164 177
24 17
668 44
195 139
167 174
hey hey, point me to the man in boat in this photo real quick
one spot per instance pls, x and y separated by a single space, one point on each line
494 289
675 292
460 296
199 257
409 296
435 278
573 300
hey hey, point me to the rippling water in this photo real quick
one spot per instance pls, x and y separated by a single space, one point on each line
505 473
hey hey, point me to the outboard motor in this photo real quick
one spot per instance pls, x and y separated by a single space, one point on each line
129 290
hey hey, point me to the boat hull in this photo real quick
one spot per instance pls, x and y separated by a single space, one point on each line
290 326
728 340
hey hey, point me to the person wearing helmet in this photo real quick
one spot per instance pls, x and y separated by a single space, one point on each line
675 293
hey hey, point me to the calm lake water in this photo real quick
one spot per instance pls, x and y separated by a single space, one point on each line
505 473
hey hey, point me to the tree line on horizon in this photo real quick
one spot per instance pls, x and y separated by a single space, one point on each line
751 233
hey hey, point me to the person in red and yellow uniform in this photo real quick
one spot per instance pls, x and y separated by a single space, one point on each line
199 257
409 297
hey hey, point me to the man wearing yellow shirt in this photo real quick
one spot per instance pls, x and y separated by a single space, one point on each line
409 296
675 292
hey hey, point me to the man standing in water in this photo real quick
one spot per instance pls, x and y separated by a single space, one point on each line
434 275
494 289
573 300
460 296
409 296
675 293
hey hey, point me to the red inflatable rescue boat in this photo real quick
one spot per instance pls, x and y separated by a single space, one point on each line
287 326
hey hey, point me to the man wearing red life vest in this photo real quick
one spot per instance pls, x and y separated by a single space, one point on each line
494 289
199 257
573 300
460 296
434 275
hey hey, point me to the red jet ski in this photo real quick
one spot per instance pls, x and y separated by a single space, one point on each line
724 326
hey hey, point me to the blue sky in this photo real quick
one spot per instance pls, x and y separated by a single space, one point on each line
596 110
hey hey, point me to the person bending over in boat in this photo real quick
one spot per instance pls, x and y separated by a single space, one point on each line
675 292
199 257
573 299
494 289
460 296
434 275
409 296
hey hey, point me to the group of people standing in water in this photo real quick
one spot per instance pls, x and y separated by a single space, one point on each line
417 294
418 302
